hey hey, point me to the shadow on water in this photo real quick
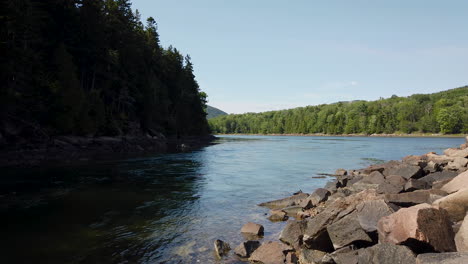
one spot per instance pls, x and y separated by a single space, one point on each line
105 212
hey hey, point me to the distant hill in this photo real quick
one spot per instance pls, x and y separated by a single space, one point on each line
443 112
214 112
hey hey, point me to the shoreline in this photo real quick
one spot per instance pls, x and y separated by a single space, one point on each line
409 211
423 135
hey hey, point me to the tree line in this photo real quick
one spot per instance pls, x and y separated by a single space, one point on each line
91 67
444 112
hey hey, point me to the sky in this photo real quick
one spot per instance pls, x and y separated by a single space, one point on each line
261 55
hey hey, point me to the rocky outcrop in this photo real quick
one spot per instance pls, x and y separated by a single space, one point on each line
422 227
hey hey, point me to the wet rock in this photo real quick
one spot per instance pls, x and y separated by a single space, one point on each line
442 258
416 197
347 231
252 229
277 216
370 212
386 253
457 183
461 238
285 202
457 164
270 253
413 185
341 172
245 249
293 233
456 204
421 227
405 171
221 248
452 152
438 176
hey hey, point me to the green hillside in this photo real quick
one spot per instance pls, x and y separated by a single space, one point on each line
213 112
443 112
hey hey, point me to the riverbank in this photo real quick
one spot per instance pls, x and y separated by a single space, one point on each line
354 135
76 149
408 211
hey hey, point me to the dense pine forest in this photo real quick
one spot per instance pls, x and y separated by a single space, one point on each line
91 67
444 112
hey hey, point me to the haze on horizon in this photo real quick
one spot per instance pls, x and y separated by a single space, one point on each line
255 56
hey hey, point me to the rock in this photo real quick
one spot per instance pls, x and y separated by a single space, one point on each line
389 188
452 152
374 178
421 227
342 181
292 210
285 202
461 238
346 255
386 253
439 184
361 186
221 248
310 256
293 233
353 179
291 258
405 171
440 160
270 253
341 172
442 258
277 216
438 176
370 212
412 185
457 183
318 196
415 160
396 180
457 164
381 167
416 197
456 204
347 231
245 249
252 229
331 186
431 167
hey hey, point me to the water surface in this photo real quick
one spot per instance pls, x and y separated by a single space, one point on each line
170 208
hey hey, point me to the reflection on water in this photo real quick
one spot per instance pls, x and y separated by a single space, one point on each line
170 208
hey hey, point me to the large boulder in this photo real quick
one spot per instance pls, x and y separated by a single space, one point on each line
453 152
347 231
270 253
252 229
438 176
422 227
461 238
456 204
457 164
440 160
285 202
370 212
374 178
405 171
386 253
417 197
245 249
293 233
431 167
442 258
457 183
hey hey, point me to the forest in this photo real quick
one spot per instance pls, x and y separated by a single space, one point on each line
92 68
443 112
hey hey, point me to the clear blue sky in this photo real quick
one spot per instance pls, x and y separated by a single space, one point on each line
253 56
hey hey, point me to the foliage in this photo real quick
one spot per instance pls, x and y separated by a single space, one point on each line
443 112
213 112
90 67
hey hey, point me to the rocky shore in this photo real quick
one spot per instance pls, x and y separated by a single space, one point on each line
408 211
72 149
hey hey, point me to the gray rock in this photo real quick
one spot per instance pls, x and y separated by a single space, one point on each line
318 196
438 176
277 216
311 256
416 197
285 202
389 188
442 258
374 178
245 249
370 212
405 171
293 233
292 210
347 231
413 185
386 253
221 248
346 255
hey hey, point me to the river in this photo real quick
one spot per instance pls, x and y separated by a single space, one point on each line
170 208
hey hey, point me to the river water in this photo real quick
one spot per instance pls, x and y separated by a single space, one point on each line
170 208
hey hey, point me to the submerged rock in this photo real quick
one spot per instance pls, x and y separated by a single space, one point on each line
296 199
221 248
